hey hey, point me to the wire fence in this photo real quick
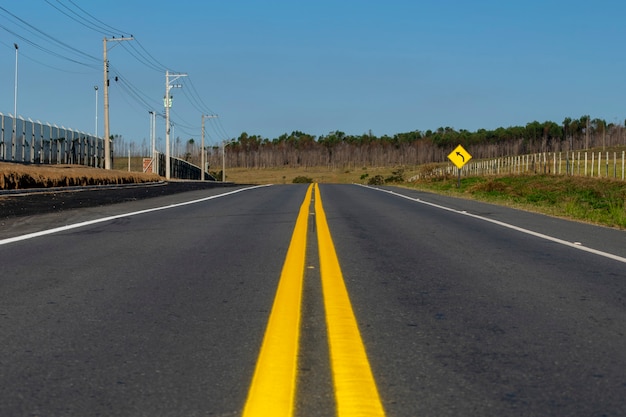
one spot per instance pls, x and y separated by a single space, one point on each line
598 164
28 141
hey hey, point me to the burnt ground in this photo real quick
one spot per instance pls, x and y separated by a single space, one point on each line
18 203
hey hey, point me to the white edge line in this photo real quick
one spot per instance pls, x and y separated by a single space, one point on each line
507 225
117 216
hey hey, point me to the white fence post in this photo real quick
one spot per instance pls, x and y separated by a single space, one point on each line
614 164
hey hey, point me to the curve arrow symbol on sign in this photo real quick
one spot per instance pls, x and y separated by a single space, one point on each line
459 156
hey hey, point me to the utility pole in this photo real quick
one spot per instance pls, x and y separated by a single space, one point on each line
153 141
167 102
224 161
14 138
95 87
15 95
202 146
107 132
224 144
95 153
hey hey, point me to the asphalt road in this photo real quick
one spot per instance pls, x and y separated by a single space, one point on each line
463 308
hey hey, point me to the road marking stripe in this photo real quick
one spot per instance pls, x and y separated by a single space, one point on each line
118 216
574 245
355 389
273 388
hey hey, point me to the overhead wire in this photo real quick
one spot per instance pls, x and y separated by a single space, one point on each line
196 100
30 58
111 28
156 62
74 12
129 98
72 16
133 91
46 50
139 56
142 55
38 32
96 25
139 52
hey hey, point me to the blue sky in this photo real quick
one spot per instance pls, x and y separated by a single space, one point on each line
272 67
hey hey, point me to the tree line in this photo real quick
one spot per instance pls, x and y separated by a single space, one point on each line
339 150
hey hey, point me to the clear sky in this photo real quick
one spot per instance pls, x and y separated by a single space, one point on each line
272 67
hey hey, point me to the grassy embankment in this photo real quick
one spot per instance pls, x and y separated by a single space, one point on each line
19 176
594 200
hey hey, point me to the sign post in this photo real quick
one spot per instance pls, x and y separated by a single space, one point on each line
459 157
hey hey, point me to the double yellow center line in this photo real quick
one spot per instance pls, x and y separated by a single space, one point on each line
273 389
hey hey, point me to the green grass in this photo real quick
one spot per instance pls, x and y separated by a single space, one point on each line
600 201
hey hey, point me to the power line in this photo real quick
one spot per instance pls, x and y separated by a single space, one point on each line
114 30
158 64
71 10
45 36
139 56
195 97
196 101
46 50
134 92
30 58
75 19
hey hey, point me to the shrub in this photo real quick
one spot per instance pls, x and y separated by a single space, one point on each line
377 180
396 176
302 180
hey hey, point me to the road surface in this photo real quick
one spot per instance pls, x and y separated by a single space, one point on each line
334 300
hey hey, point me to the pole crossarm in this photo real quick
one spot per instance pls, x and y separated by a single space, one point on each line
107 130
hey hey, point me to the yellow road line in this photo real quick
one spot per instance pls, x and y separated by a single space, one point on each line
355 389
273 388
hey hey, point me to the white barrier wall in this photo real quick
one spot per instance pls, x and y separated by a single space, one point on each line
42 143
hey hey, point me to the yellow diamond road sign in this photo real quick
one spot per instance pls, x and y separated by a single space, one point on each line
459 157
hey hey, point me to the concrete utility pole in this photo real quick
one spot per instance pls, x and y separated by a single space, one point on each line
95 87
167 102
224 161
153 140
107 132
15 94
95 153
14 136
224 145
202 145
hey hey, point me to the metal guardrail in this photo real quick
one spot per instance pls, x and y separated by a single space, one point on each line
181 169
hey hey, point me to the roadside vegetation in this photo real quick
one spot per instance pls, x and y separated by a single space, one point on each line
413 159
594 200
21 176
339 150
